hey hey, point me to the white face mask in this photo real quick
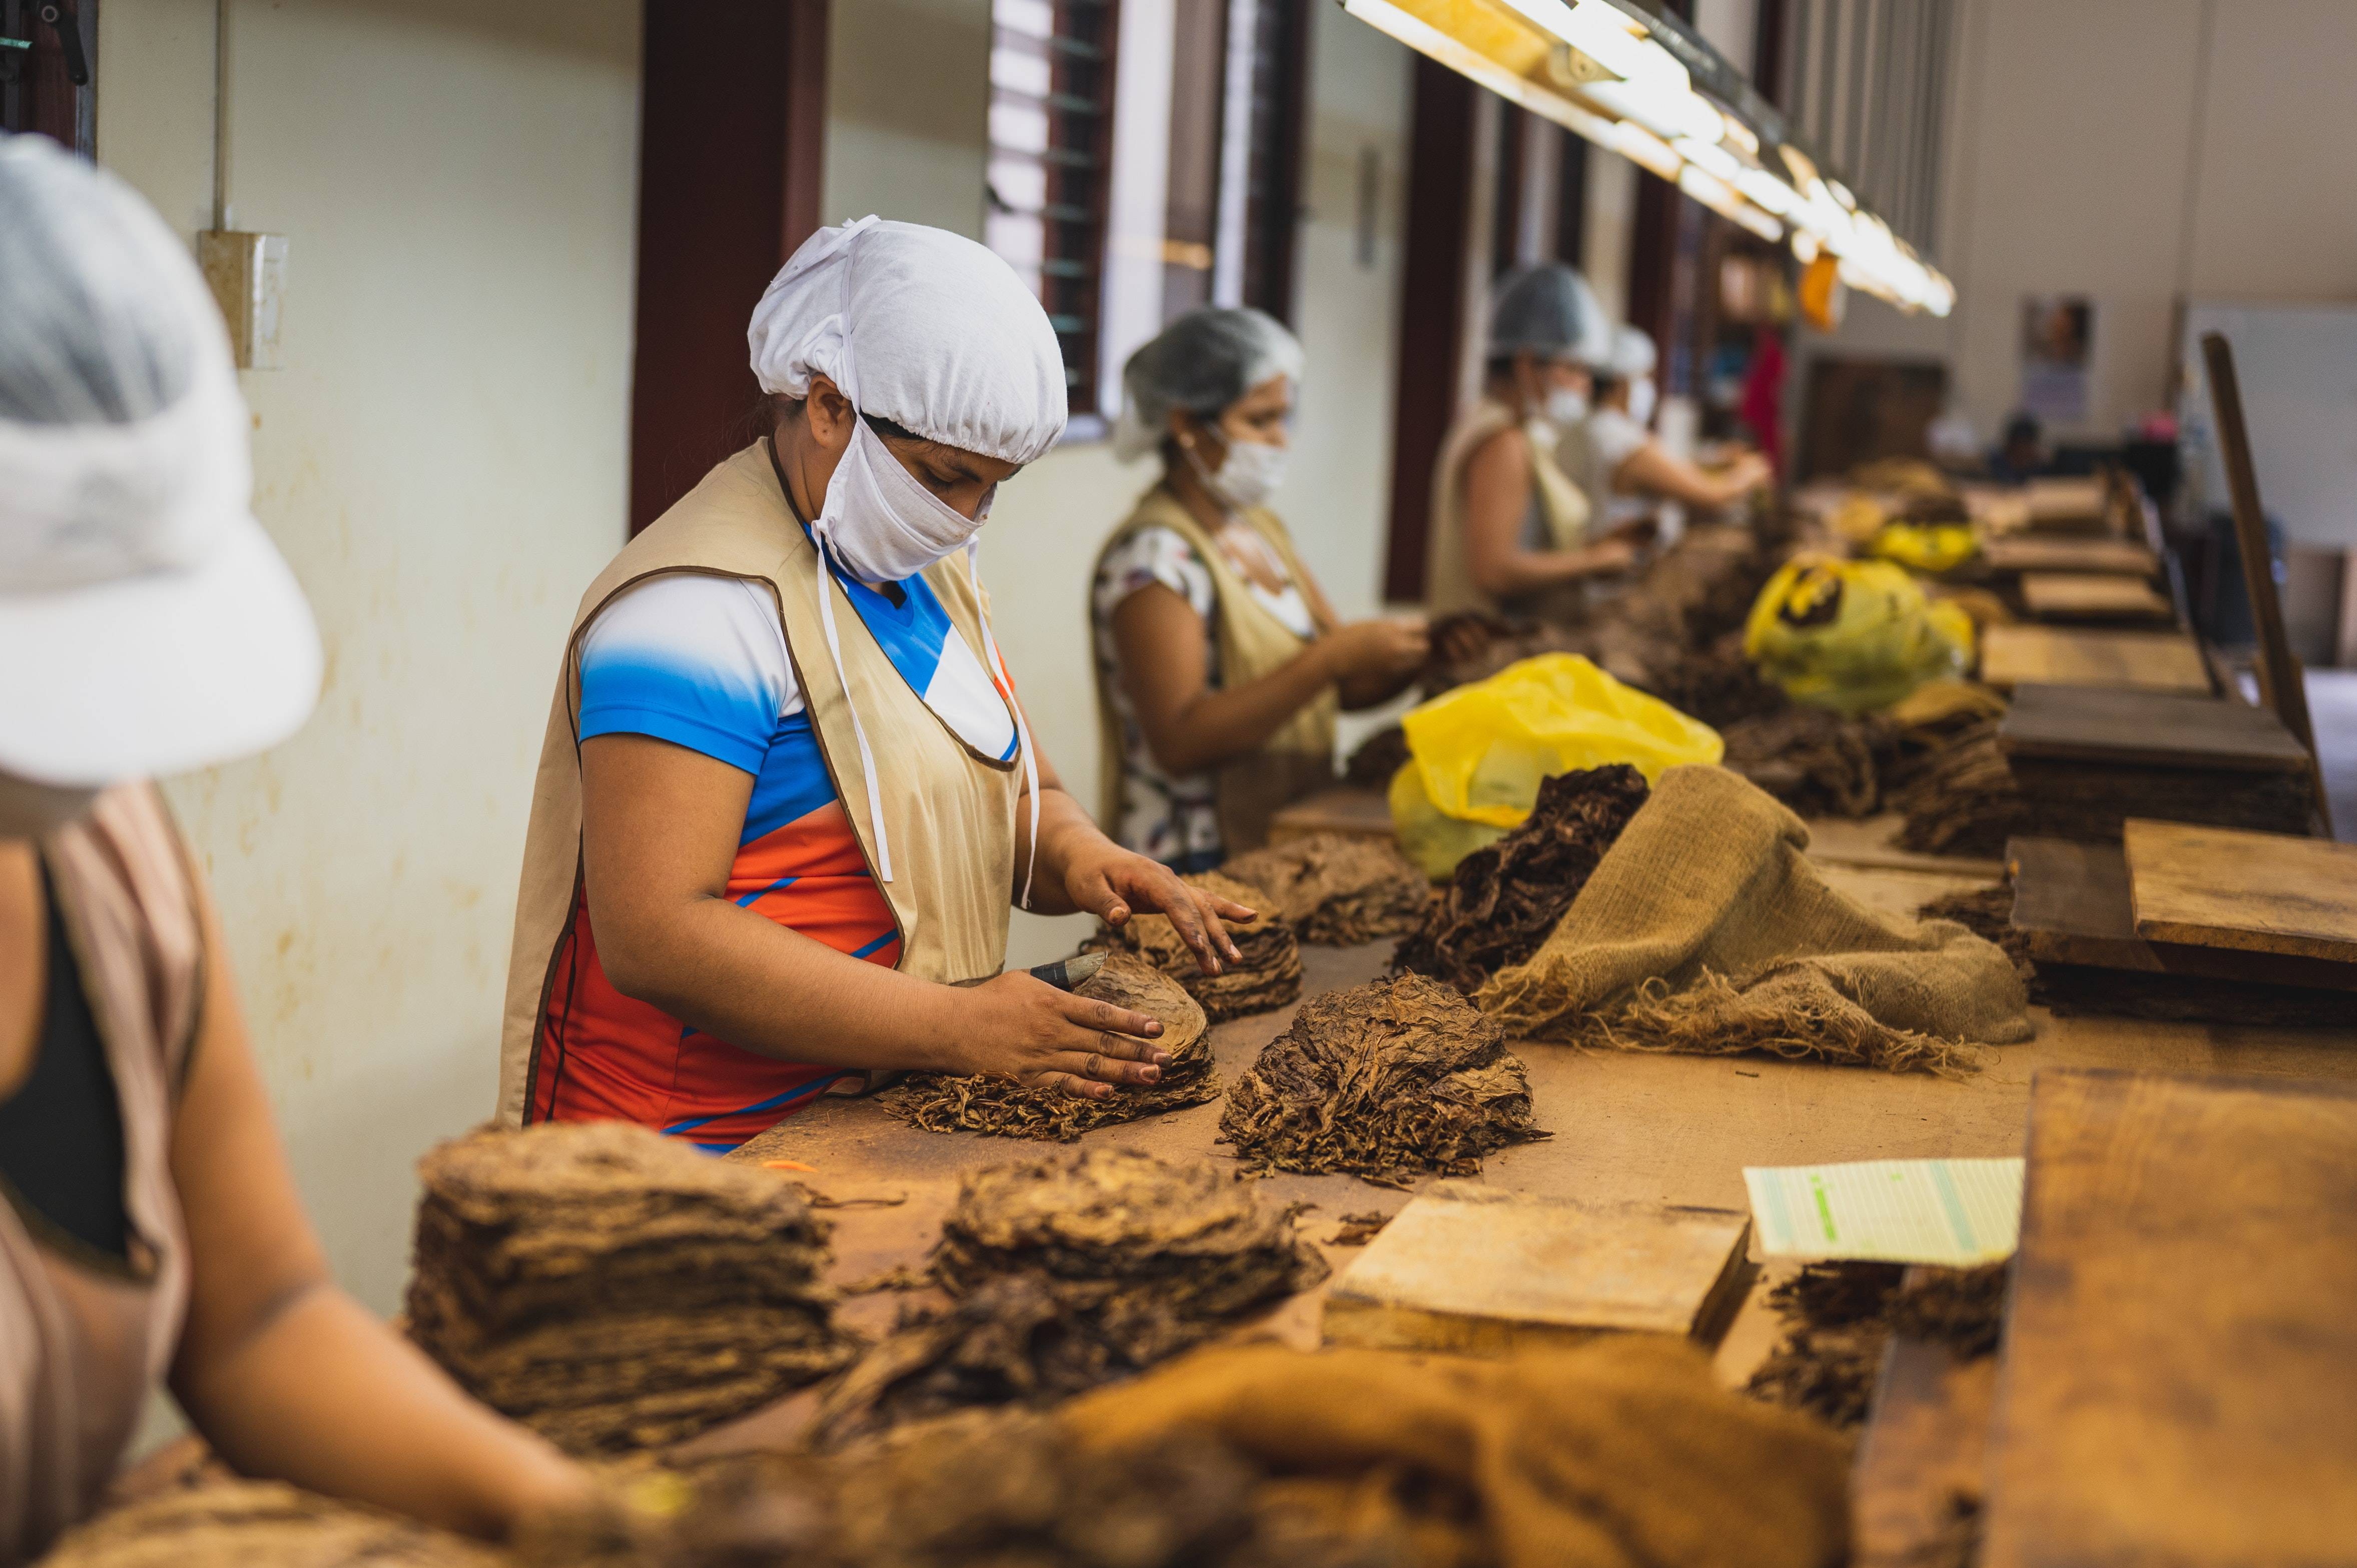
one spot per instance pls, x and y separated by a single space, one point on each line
1641 398
881 523
1565 407
28 810
1247 476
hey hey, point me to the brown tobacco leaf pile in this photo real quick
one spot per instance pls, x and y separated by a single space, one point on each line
1820 762
1390 1080
1337 890
1069 1272
260 1524
613 1289
1000 1107
1267 975
1839 1316
1506 897
1378 756
1961 798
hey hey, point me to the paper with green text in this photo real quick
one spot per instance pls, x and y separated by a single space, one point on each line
1956 1212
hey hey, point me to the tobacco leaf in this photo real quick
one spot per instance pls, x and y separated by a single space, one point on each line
1505 897
1337 890
260 1524
1839 1316
1389 1081
1266 976
706 1298
1377 757
1820 762
1358 1229
1003 1107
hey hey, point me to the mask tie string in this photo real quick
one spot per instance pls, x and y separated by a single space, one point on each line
826 587
1005 684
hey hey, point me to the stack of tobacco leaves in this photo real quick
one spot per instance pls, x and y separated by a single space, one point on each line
1267 975
1000 1107
260 1524
1506 897
1715 684
1961 798
1839 1316
1335 890
1820 762
1379 757
1069 1272
613 1289
1389 1081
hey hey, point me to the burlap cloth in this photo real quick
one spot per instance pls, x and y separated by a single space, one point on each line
1705 929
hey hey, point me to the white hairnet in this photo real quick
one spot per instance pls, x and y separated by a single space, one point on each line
1202 362
1549 310
1633 354
918 325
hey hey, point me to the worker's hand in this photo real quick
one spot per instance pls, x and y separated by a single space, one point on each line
1608 555
1749 472
1021 1028
1381 648
1109 882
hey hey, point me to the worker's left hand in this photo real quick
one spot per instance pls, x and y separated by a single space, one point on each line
1110 882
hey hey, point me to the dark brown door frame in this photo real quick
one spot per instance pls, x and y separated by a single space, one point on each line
38 94
731 158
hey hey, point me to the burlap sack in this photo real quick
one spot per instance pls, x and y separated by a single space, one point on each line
1705 929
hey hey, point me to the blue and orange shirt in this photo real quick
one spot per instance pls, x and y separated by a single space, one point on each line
701 661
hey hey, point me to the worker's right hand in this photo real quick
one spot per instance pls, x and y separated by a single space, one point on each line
1609 554
1384 647
1021 1028
1749 472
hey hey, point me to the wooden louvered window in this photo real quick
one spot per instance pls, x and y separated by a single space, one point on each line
1051 77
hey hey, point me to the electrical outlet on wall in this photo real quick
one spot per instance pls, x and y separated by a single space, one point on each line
247 274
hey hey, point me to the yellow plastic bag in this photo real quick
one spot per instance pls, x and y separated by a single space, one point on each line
1853 636
1478 753
1926 546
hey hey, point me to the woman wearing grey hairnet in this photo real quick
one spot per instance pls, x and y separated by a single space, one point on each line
1219 663
1510 531
151 1232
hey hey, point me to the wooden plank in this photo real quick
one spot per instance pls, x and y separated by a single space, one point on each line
1361 813
1925 1445
2071 505
2221 887
2160 729
2070 903
2179 1366
2092 596
2057 656
1478 1269
2035 552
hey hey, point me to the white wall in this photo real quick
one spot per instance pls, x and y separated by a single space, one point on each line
2138 152
443 463
1048 523
908 100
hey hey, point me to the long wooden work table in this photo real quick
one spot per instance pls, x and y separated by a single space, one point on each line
1628 1127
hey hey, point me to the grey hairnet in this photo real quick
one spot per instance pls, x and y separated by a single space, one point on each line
91 334
1202 362
1549 311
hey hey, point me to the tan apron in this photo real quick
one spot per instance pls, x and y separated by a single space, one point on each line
83 1337
948 810
1295 761
1448 577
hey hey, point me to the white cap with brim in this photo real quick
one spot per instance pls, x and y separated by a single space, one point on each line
147 625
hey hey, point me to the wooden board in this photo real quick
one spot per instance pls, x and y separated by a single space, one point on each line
1471 1268
2074 505
1925 1444
2070 903
2220 887
2159 729
2058 656
2179 1379
1361 813
2034 552
2092 596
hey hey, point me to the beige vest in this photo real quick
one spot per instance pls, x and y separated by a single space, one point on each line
1447 578
84 1337
1296 759
949 812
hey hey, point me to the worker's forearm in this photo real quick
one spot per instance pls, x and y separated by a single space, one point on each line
1064 830
1358 692
1219 725
1530 571
326 1396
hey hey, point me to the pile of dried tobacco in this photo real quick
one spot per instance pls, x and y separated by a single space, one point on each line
1961 798
1839 1316
1000 1107
1389 1081
1072 1271
1268 973
1335 890
1506 897
260 1524
1378 756
1819 762
613 1289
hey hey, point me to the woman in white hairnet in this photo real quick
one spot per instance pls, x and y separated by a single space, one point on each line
1510 529
150 1231
787 794
1219 663
1623 469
